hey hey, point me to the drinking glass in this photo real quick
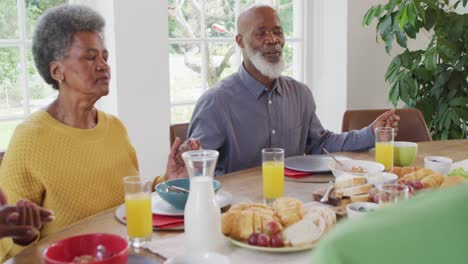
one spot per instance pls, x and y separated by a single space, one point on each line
273 174
384 137
392 194
138 210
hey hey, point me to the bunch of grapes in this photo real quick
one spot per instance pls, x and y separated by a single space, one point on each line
271 238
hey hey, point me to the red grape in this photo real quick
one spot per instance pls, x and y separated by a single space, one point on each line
272 227
263 240
276 240
253 239
417 185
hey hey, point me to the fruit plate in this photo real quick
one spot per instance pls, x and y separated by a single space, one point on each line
272 249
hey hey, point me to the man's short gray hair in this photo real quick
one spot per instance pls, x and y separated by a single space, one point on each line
54 33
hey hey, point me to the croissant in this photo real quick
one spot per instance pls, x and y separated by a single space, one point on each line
289 210
243 219
433 180
402 171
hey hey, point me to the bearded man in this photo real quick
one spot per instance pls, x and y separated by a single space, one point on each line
258 108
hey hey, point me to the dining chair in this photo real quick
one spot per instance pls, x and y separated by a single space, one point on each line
412 126
178 130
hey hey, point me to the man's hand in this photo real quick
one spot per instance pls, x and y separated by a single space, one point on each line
175 164
387 119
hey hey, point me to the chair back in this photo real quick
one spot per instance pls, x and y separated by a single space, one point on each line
412 126
178 130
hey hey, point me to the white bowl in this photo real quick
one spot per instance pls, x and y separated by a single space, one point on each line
438 164
206 258
371 167
360 209
381 178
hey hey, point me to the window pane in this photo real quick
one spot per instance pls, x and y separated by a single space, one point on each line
222 62
41 94
184 20
8 20
288 53
181 114
34 9
6 131
220 18
10 91
284 9
185 72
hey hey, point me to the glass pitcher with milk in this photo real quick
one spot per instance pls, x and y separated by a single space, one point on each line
202 215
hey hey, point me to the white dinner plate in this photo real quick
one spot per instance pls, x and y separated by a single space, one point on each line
271 249
310 163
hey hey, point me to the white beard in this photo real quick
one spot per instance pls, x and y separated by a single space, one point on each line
270 70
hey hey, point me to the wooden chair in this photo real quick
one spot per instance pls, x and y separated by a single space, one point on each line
412 126
178 130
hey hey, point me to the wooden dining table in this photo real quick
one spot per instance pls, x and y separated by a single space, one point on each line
245 185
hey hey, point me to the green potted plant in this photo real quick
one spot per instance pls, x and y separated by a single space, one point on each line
433 80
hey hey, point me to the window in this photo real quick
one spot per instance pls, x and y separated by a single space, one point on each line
22 90
202 49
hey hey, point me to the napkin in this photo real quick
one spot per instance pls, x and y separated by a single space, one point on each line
166 221
295 174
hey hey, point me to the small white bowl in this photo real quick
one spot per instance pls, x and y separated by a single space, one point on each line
206 258
380 178
360 209
371 167
438 164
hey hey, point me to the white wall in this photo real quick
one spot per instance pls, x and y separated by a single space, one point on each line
326 48
140 76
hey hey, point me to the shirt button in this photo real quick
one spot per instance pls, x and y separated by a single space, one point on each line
273 131
266 89
269 102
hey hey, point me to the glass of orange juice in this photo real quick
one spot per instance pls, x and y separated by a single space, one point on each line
138 210
273 174
384 137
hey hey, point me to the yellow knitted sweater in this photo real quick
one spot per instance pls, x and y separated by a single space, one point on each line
74 172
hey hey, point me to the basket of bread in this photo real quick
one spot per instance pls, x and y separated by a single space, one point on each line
287 223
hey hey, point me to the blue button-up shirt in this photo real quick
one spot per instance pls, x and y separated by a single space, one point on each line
240 116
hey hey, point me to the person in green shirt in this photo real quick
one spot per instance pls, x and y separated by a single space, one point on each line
429 228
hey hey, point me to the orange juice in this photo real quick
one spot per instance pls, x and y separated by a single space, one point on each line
384 154
273 179
139 216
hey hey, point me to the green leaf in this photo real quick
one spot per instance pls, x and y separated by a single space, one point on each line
459 101
402 17
431 17
412 13
404 90
394 93
401 38
430 62
465 2
386 32
392 69
368 17
423 74
442 79
413 87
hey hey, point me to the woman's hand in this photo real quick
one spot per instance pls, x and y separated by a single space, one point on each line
8 228
175 164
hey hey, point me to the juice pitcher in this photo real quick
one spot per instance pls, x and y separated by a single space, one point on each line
202 214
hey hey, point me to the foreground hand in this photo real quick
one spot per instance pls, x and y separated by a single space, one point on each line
387 119
175 164
19 233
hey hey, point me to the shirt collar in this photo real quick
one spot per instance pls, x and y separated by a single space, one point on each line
254 86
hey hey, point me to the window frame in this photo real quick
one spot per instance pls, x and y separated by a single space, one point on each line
203 40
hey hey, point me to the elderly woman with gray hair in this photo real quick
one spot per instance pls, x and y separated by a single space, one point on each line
70 157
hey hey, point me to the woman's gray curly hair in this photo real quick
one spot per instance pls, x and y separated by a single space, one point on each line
54 33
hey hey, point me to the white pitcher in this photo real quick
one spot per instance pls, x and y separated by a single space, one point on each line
202 214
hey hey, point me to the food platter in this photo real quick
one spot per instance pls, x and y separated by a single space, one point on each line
272 249
310 163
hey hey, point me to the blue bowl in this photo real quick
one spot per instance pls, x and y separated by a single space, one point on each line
176 199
